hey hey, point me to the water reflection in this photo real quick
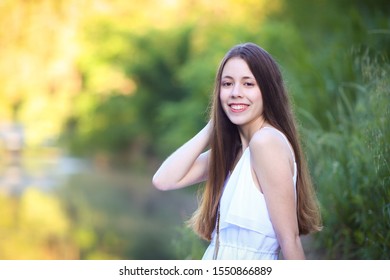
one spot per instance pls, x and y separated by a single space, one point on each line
53 206
43 173
13 180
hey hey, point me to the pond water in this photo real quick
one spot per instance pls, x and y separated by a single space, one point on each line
53 206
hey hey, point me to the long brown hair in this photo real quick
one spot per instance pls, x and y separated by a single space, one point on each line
225 142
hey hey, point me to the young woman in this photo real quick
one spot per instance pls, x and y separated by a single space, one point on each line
258 198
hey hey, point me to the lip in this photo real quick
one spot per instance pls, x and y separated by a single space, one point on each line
238 107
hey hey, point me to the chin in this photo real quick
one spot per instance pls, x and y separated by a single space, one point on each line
237 122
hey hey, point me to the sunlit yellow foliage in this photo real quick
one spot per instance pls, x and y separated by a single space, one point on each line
41 42
108 79
37 71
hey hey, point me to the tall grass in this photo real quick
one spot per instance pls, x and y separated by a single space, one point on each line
350 164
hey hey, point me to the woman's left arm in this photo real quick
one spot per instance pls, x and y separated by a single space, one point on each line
272 162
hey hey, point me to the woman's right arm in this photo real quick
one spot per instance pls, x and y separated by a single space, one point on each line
188 165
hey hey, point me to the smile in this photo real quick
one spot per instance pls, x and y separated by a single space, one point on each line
237 108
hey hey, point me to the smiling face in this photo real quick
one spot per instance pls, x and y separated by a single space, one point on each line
240 94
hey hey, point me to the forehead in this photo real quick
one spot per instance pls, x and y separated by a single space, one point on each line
236 67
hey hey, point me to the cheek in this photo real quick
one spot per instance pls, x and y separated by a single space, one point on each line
260 105
256 97
223 94
223 98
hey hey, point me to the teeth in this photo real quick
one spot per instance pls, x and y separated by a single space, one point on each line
238 107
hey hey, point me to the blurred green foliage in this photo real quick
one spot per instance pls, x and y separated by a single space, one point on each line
353 178
115 81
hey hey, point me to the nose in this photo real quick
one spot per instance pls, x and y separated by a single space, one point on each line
236 91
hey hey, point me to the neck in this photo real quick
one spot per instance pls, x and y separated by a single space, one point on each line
248 130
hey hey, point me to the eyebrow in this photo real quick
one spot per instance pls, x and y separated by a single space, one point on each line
243 78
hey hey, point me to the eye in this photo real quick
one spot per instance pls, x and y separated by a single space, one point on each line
226 84
249 84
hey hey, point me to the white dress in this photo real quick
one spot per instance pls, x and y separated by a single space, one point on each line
245 229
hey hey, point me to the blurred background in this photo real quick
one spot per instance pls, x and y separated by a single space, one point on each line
94 94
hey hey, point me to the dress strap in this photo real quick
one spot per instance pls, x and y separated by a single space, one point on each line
216 248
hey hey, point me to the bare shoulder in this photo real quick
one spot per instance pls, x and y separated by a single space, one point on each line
271 157
267 138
